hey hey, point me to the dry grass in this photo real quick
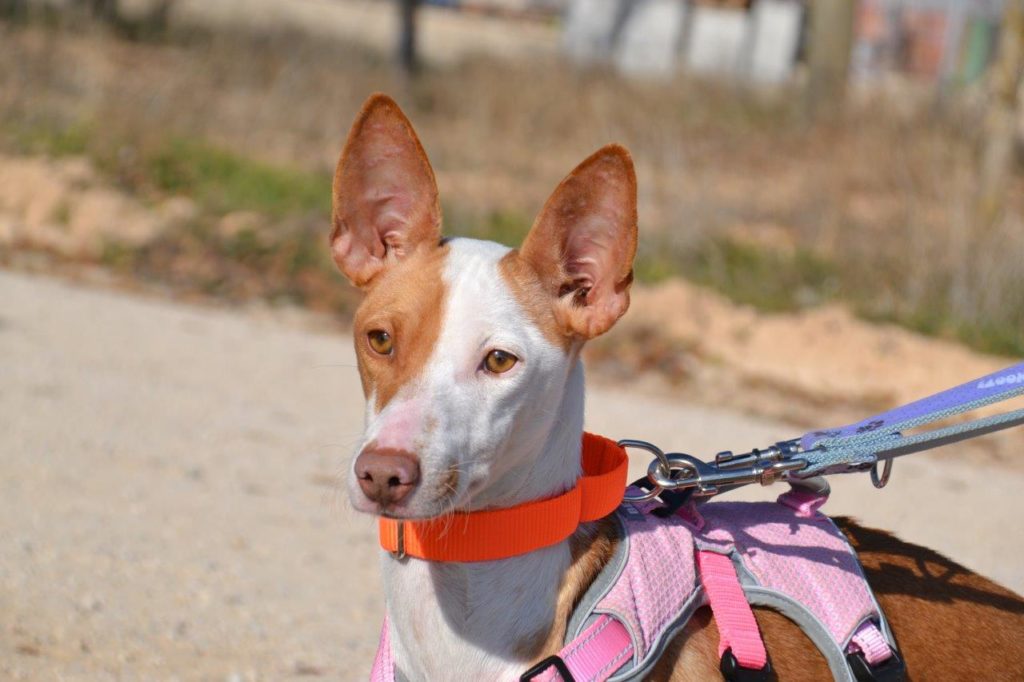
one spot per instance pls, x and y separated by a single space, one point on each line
737 191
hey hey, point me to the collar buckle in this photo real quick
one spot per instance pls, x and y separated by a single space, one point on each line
399 552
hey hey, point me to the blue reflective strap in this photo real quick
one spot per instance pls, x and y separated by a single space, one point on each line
861 443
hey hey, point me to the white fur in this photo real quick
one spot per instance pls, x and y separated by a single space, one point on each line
514 437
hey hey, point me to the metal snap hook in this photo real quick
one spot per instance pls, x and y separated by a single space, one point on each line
667 478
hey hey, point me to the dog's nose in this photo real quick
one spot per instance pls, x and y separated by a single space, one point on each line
387 476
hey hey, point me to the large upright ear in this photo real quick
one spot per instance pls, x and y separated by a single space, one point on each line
584 240
385 203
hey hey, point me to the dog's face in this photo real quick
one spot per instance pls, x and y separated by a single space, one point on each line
465 348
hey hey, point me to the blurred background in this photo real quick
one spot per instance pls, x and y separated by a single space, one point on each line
831 221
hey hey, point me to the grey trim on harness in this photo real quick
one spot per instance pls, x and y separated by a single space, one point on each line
883 623
604 582
641 668
811 626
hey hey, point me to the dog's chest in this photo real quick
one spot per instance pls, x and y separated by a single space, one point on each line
482 619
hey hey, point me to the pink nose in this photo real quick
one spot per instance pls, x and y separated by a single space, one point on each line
387 476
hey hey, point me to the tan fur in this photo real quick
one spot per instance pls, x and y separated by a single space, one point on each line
407 301
951 623
535 301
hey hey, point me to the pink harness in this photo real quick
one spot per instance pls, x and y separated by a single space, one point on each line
729 555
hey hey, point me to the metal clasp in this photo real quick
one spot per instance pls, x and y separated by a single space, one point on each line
679 471
399 552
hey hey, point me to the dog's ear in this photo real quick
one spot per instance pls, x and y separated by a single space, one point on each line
385 203
584 240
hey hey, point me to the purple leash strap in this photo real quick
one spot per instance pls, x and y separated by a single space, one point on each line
864 442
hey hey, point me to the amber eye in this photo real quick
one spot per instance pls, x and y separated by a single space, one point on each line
380 341
499 362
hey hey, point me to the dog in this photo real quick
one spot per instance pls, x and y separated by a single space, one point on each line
469 357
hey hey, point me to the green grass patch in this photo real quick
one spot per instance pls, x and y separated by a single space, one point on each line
770 280
46 137
502 226
223 181
218 179
1004 339
999 337
117 256
285 256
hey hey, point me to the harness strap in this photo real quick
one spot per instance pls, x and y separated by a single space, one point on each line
735 619
383 663
594 656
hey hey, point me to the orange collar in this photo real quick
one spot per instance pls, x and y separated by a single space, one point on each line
493 534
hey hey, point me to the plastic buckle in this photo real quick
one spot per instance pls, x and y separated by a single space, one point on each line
672 500
732 671
555 662
892 669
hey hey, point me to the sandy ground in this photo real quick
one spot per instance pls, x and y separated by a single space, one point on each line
168 497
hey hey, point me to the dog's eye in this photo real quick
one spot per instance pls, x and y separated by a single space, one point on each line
380 341
499 362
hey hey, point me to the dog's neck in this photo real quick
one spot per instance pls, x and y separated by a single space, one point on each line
487 620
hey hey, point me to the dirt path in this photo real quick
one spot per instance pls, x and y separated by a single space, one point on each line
168 507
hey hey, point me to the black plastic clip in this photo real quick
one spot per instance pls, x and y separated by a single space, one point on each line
892 669
732 671
673 500
555 662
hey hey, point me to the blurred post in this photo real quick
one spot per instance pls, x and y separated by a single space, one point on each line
1004 111
830 41
408 60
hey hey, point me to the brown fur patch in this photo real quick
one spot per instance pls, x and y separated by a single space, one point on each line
531 295
407 301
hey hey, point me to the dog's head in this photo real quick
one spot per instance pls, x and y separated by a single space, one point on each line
466 348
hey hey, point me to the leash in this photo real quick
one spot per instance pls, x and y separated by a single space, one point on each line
853 448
